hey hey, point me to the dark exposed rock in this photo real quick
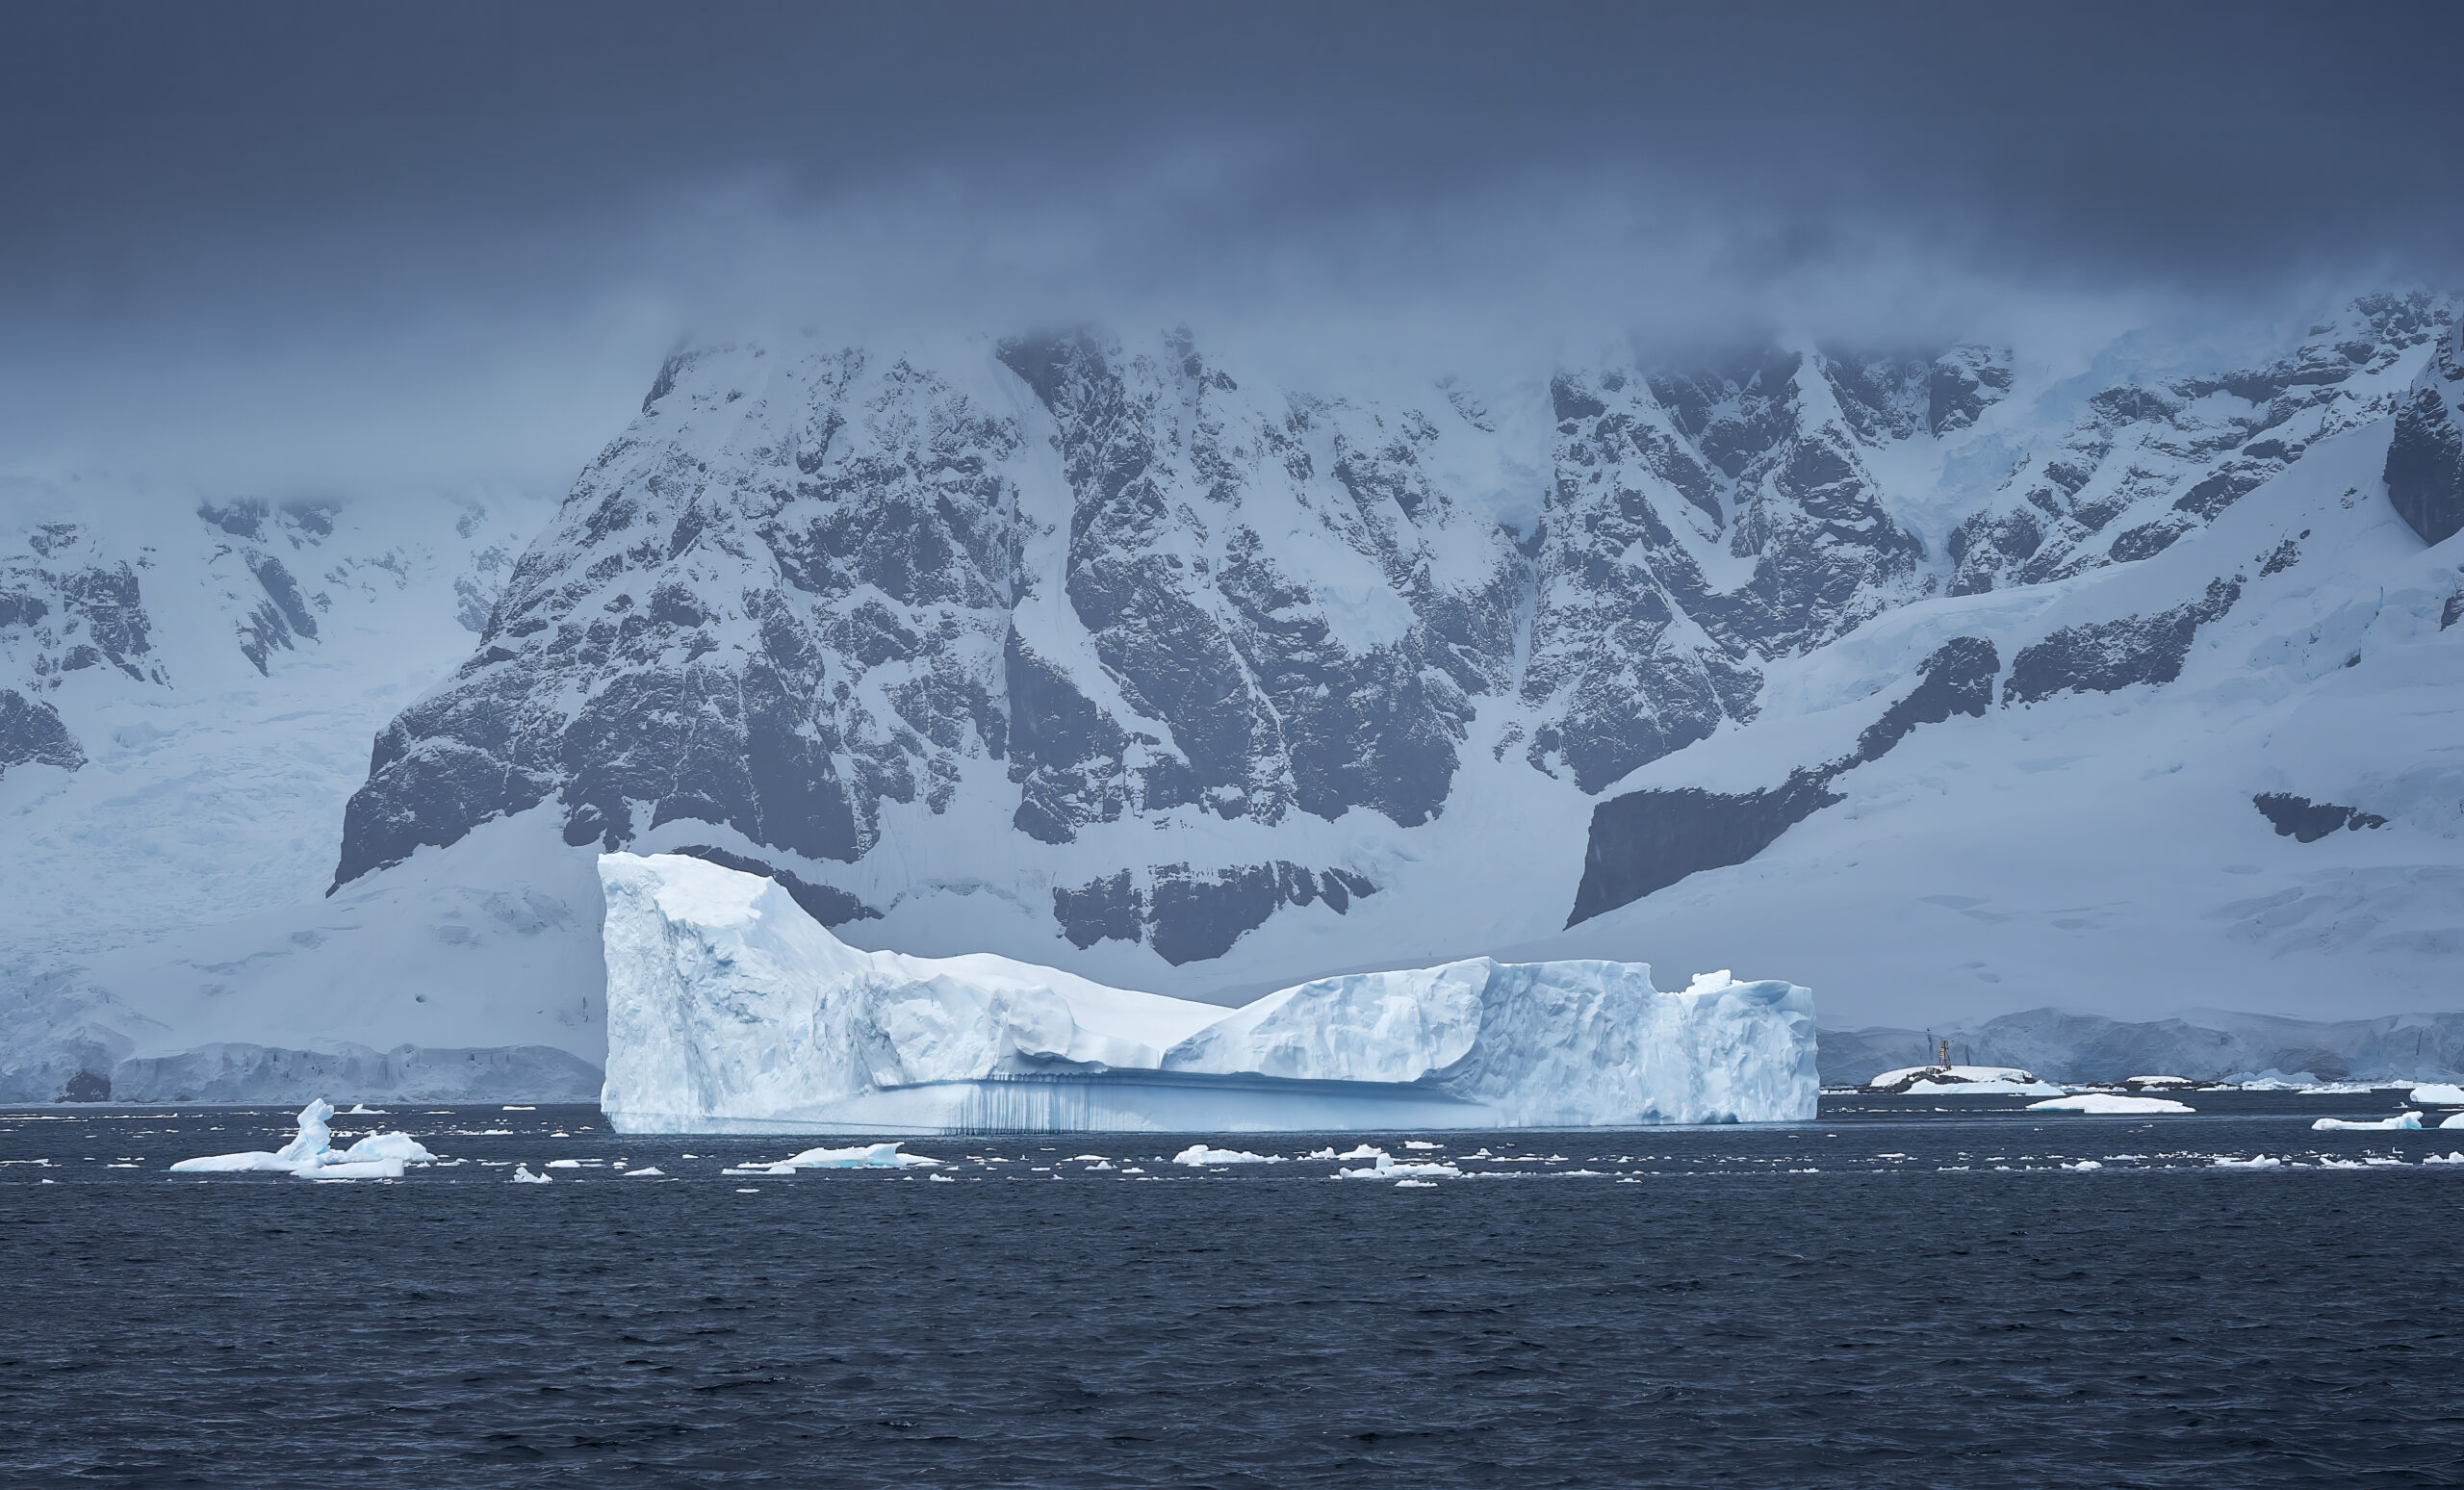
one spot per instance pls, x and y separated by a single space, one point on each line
827 904
1111 909
2106 656
31 733
1644 841
1191 915
87 1087
2426 455
2305 821
1956 679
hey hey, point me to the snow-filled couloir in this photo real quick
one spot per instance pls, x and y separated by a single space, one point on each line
731 1009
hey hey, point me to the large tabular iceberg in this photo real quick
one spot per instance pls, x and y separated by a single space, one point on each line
731 1010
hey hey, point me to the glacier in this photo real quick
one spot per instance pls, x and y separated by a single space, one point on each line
731 1010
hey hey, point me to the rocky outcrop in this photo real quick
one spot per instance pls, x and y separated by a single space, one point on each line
2151 460
31 733
2103 657
2426 455
2305 821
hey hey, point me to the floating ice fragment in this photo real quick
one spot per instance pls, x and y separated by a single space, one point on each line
363 1110
1419 1144
646 1171
2401 1123
941 1179
522 1175
2083 1165
2439 1093
311 1155
2261 1162
564 1164
1415 1184
2457 1121
2457 1157
868 1156
1198 1155
1387 1168
2098 1104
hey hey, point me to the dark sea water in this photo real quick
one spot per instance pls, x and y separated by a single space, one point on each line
1910 1293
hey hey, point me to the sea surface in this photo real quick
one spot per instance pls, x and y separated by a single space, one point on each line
1911 1292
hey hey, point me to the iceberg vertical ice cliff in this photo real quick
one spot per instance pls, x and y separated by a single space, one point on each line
729 1009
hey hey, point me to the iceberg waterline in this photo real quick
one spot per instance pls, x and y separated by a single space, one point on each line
731 1010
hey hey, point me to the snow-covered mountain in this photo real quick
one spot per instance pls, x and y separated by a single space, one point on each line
1959 680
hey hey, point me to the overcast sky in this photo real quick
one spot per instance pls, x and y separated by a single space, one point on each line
341 247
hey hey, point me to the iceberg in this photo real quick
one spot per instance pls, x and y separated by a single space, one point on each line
311 1154
2401 1123
2439 1093
729 1010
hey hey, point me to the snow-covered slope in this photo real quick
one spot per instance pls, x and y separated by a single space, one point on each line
731 1010
192 683
1953 682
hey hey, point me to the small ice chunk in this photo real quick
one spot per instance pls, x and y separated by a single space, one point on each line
1198 1155
2083 1165
564 1164
363 1110
2457 1121
1419 1144
522 1175
2261 1162
646 1171
2099 1104
1387 1168
1415 1184
2439 1093
2401 1123
870 1156
943 1179
2457 1157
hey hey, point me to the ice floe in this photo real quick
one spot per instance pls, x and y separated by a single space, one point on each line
1198 1155
863 1156
2104 1104
2439 1093
2401 1123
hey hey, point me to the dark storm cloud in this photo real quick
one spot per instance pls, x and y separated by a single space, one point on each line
318 228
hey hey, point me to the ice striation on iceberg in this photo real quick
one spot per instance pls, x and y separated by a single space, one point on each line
731 1010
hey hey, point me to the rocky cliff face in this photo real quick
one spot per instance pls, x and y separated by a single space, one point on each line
1066 592
2426 455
